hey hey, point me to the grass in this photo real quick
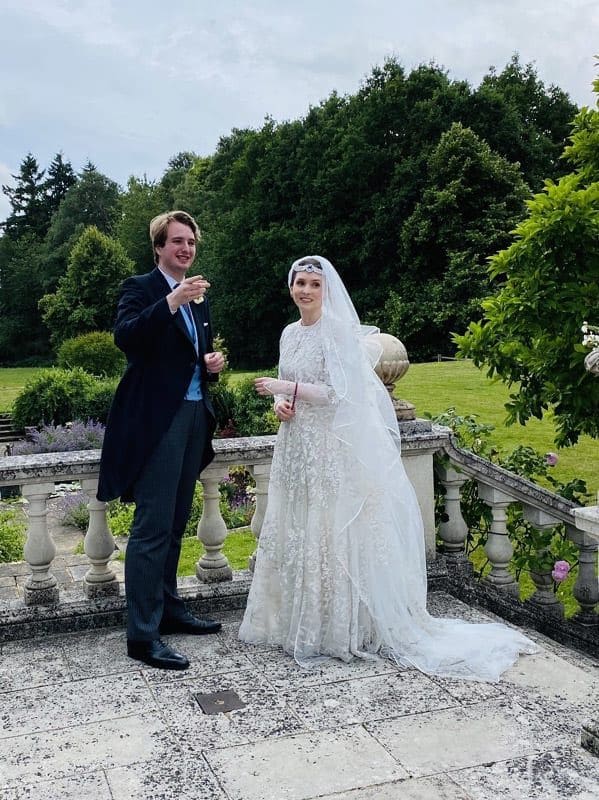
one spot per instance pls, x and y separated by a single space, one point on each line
238 547
12 381
434 387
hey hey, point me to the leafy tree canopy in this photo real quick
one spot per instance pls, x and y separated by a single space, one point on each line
87 293
530 333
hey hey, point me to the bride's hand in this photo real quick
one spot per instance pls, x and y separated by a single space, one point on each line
284 411
266 386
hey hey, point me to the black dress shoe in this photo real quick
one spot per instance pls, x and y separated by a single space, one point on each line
190 624
157 654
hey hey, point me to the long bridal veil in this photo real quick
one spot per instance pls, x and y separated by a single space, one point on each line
377 524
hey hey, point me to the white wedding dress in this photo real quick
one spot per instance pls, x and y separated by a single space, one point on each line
340 568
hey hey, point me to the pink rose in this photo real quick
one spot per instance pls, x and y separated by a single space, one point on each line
551 459
560 571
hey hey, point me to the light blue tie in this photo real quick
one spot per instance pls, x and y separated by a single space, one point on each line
188 317
189 322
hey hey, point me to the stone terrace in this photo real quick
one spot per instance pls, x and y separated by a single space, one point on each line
80 719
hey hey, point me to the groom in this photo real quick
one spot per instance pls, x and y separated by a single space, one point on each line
159 432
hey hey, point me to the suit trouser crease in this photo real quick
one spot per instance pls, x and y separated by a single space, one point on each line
163 495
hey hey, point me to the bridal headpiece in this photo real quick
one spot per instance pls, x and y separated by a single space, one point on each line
309 266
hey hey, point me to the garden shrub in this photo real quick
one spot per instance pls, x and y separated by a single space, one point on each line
94 352
223 398
72 510
254 414
52 396
96 404
62 438
12 536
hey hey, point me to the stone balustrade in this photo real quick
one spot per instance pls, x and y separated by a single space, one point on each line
499 488
421 442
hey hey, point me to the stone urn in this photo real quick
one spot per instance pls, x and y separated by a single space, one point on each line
391 367
591 362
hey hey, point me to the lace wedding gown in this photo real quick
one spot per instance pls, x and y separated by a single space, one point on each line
340 568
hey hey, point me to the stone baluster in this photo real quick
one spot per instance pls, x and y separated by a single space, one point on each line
261 473
544 595
586 588
100 580
213 566
498 548
453 531
587 524
41 587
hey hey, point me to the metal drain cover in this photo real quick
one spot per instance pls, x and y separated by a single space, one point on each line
219 702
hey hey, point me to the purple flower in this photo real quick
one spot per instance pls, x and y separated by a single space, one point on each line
551 459
560 571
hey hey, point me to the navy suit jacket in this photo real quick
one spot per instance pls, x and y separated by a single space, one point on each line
161 359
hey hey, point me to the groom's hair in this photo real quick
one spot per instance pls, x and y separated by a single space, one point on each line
159 228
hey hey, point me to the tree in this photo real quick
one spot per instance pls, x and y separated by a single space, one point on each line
523 120
472 199
87 293
60 178
28 214
142 201
530 334
23 336
92 201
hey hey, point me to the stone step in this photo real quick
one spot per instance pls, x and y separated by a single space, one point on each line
8 432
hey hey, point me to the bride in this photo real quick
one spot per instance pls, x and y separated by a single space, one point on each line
340 567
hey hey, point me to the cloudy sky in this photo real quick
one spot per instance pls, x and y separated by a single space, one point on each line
129 83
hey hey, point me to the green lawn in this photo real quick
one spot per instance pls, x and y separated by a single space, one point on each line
12 380
433 388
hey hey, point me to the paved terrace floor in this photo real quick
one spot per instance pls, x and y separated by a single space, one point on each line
80 720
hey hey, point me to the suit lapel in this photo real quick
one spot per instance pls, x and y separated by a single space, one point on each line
161 288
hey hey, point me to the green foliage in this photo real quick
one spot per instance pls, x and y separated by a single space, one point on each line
253 414
370 181
95 352
530 335
223 398
86 297
97 400
142 201
22 336
474 197
12 536
120 517
54 395
238 547
29 214
92 201
534 550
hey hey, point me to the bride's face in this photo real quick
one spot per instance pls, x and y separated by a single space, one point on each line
306 291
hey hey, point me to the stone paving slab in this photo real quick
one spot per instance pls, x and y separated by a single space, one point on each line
455 738
79 719
440 787
304 766
563 774
78 749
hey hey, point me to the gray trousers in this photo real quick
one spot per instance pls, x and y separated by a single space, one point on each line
163 496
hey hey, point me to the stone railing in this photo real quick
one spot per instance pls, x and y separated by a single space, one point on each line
543 509
421 441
